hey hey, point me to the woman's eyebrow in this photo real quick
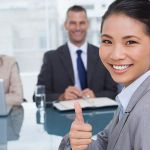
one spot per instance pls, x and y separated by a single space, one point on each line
106 35
125 37
131 36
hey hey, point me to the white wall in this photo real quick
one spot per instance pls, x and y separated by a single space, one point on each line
29 81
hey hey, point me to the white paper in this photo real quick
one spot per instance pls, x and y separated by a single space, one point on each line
85 103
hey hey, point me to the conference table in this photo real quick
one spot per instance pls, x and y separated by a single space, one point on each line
27 127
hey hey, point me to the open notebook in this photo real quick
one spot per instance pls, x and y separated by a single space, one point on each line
4 108
85 103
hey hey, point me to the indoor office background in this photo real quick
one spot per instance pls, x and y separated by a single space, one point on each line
28 28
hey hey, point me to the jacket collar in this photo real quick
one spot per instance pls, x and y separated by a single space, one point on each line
117 128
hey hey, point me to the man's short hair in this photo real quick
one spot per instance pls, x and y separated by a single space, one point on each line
76 8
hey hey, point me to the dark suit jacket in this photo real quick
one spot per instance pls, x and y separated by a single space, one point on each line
57 73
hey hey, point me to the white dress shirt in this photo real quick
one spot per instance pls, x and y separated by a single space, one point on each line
126 94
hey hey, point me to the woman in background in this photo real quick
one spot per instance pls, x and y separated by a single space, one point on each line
12 83
125 52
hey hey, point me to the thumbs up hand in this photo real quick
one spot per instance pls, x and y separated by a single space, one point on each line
80 133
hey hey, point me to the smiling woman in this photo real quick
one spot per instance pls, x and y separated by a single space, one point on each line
126 55
125 52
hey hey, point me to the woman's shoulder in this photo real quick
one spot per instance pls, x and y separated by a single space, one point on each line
5 59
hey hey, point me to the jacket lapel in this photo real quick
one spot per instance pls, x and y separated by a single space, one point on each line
143 88
117 131
66 61
92 59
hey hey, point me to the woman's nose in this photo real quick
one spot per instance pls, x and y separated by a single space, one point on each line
118 53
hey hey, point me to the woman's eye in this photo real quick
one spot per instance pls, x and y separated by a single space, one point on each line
131 42
106 42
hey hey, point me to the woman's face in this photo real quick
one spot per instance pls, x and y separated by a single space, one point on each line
125 48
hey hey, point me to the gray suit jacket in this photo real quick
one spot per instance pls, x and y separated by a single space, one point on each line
57 73
132 132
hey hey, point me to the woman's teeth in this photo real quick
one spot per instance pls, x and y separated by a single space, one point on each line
120 67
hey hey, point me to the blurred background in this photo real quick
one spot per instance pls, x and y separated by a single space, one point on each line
28 28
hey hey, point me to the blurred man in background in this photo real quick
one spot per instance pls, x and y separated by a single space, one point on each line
74 70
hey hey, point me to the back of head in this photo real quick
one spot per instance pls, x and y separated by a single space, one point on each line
136 9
